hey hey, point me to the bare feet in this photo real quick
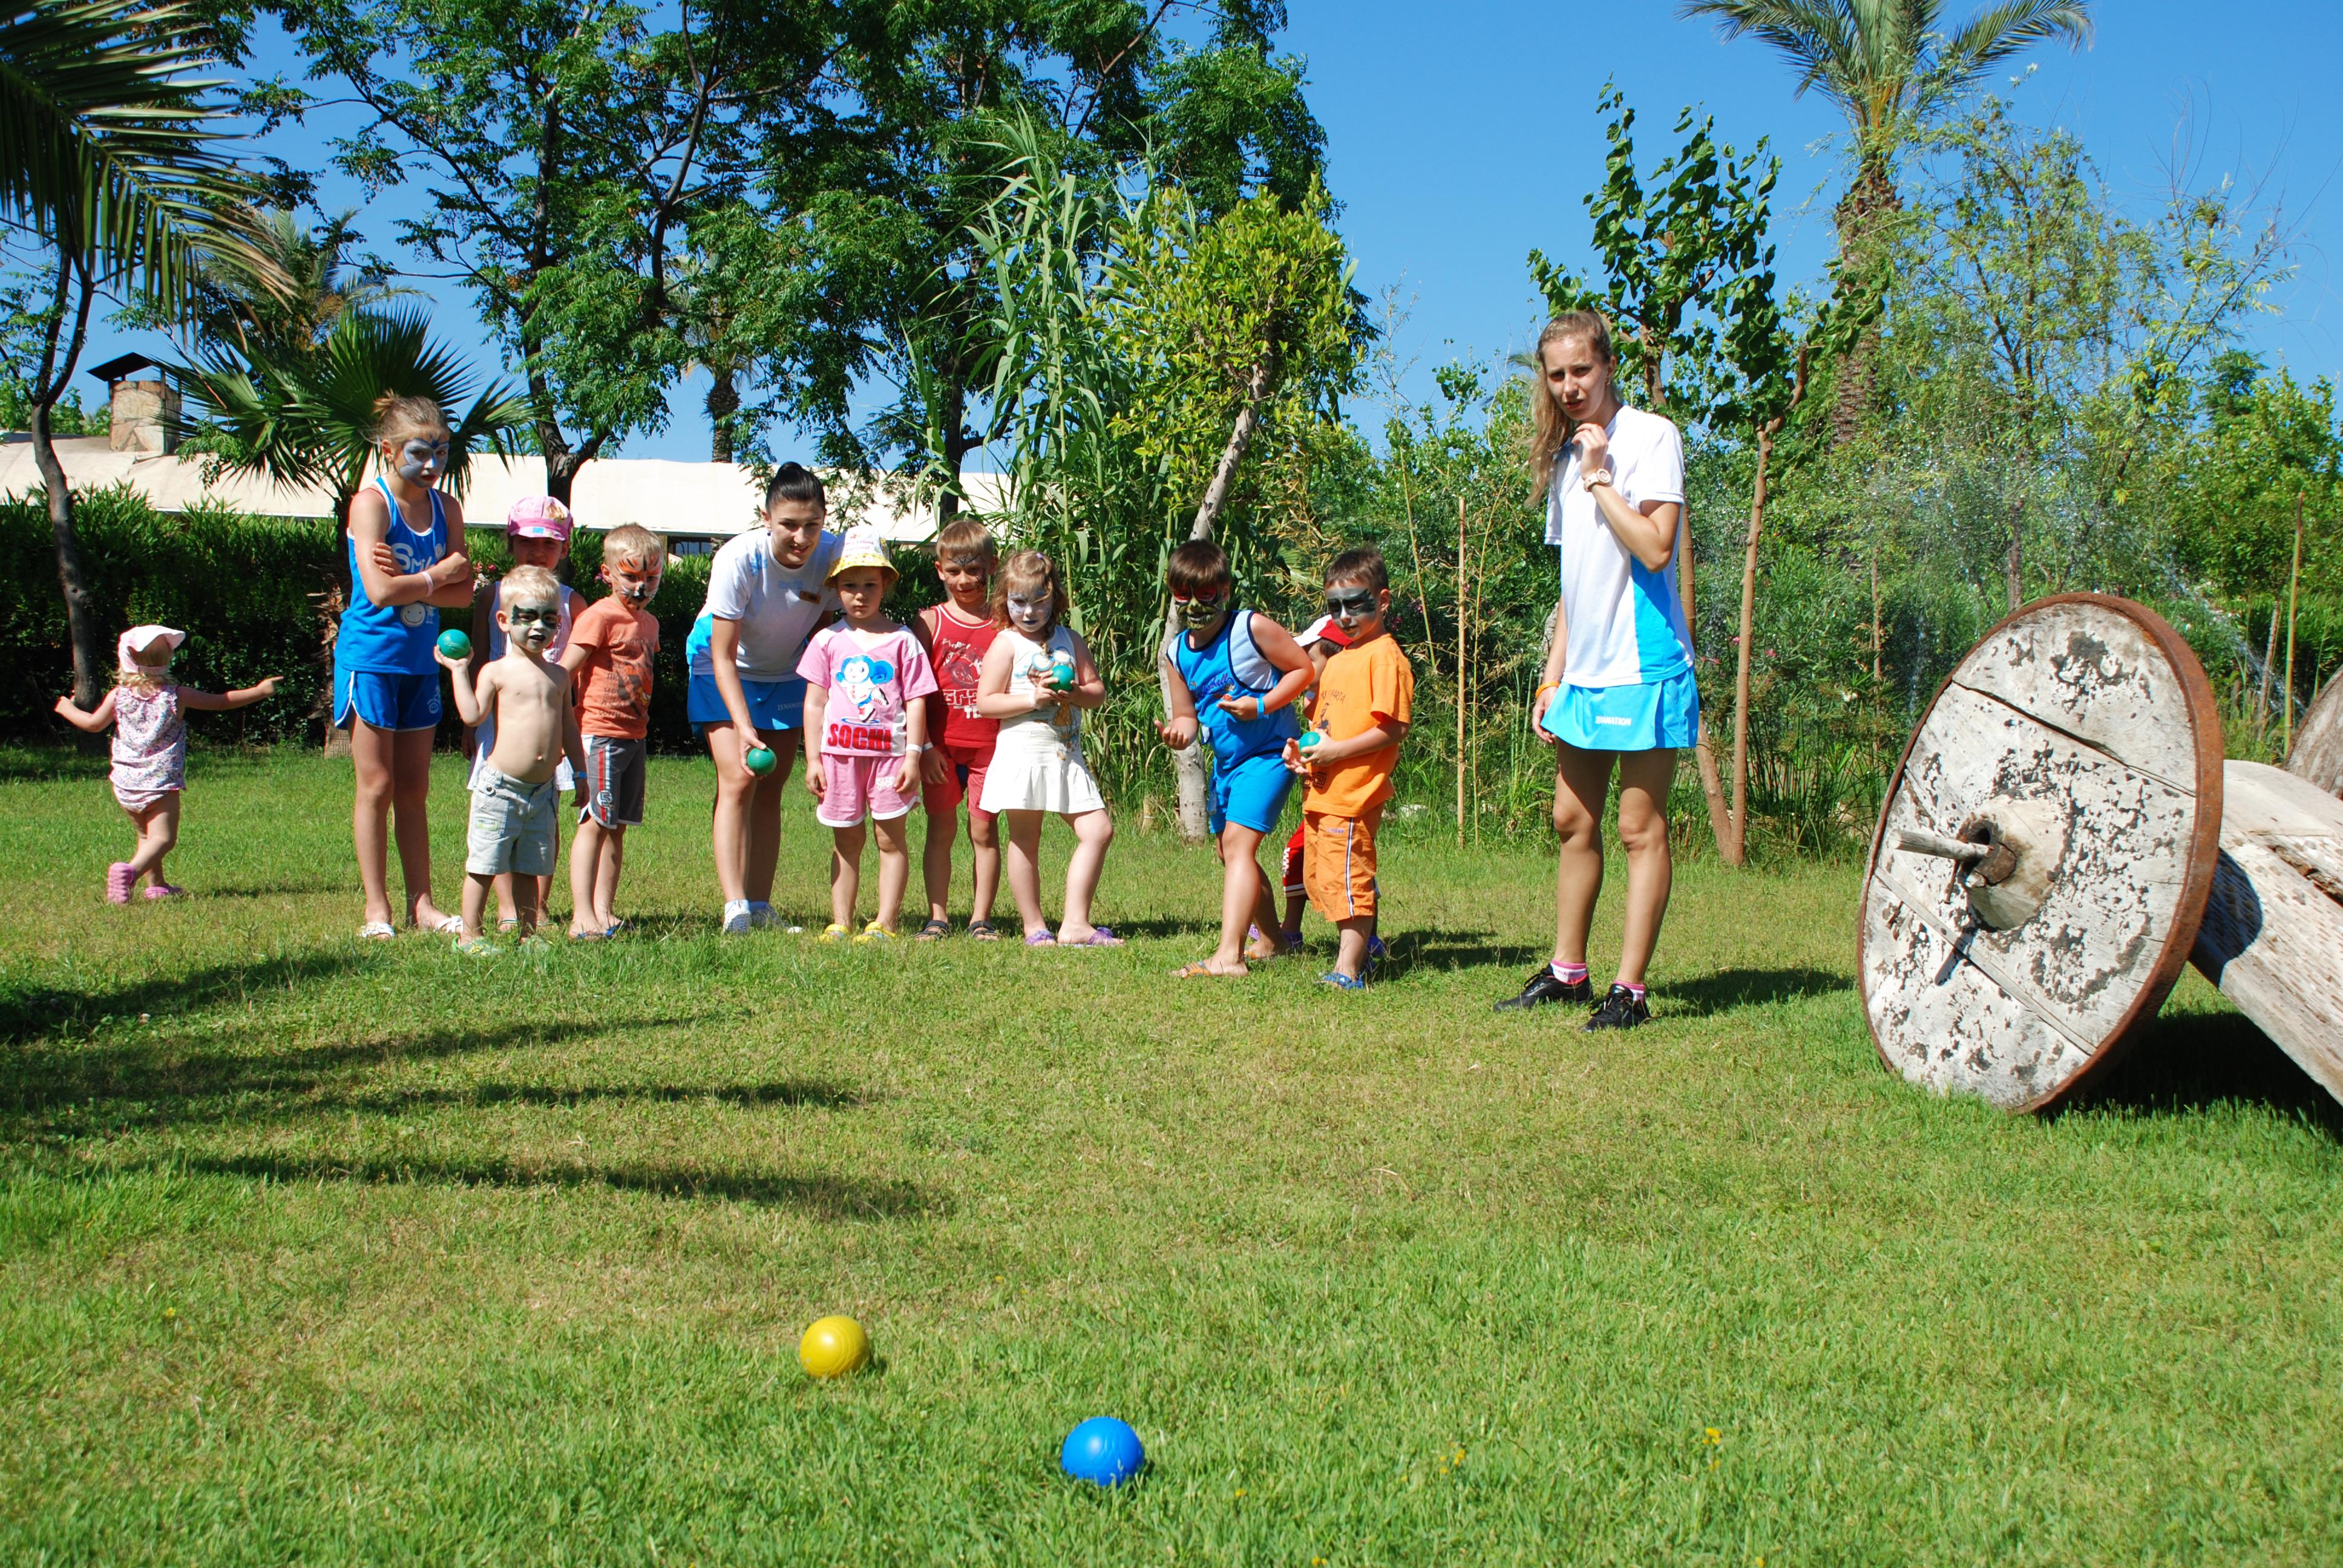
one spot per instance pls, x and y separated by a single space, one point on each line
1211 969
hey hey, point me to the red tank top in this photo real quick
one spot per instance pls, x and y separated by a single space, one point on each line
958 656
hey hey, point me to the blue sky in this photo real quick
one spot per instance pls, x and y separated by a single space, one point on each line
1460 137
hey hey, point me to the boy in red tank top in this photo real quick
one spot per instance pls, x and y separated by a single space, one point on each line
957 633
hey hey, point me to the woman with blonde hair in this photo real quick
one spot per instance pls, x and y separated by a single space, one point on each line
1618 693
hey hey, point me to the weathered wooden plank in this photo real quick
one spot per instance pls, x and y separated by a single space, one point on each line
2318 744
2095 674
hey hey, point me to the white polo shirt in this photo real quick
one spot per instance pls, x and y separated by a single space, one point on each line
777 607
1626 621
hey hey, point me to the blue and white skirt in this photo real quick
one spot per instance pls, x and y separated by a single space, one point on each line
1639 717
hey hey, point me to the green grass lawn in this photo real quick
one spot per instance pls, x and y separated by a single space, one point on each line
321 1253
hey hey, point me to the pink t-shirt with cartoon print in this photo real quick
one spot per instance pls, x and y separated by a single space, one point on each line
871 682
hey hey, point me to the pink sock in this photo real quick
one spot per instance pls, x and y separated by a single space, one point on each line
1569 974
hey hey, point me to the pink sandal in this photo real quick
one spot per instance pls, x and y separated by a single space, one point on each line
119 879
165 890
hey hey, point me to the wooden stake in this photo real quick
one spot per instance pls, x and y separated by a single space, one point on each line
2261 702
1874 619
1461 617
2293 592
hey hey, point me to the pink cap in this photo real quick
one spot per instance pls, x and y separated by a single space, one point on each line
537 518
126 650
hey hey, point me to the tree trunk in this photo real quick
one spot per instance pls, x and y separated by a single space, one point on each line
1737 852
2013 564
958 444
723 403
1703 754
1865 215
57 362
81 624
1188 763
562 470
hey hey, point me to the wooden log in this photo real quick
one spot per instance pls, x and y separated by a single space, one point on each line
2318 753
2272 936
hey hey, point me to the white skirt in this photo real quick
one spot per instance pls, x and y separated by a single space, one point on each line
1038 778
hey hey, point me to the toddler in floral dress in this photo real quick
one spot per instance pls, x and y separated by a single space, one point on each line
146 708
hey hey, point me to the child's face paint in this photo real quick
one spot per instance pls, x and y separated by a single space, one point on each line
1029 613
1200 611
1356 610
968 578
635 583
528 550
531 623
419 460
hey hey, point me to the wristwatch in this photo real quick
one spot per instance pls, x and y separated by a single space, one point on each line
1600 477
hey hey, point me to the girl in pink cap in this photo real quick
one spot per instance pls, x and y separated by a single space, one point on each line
536 530
150 748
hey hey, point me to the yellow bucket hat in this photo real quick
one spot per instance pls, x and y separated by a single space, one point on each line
864 547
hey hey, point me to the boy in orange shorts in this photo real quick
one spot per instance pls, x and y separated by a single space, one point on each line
1364 698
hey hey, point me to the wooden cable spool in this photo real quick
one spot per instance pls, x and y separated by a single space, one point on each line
2318 744
2045 854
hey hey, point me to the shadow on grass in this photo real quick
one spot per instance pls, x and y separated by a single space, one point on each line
1445 950
272 889
791 1092
39 1011
1704 996
823 1195
157 1074
2189 1061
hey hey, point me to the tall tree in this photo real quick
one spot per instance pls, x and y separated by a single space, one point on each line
1892 68
566 150
110 160
893 169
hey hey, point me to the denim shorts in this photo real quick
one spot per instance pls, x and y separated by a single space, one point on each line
511 828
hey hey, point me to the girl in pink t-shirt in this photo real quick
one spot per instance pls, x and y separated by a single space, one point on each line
865 729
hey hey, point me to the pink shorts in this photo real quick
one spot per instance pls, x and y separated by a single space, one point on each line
852 786
964 768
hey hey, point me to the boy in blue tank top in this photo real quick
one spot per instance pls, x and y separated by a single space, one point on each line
1233 675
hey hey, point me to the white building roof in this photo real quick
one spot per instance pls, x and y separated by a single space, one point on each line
715 499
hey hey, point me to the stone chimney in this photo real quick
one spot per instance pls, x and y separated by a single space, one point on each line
144 412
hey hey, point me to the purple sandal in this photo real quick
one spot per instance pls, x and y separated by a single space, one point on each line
1042 938
1100 937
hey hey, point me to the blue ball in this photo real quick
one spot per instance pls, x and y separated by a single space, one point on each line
1103 1452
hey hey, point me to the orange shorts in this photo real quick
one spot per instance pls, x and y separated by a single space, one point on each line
1339 863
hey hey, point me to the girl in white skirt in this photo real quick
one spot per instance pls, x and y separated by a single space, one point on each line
1038 677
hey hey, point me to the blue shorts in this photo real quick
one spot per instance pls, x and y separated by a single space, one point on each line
1641 717
386 701
772 704
1250 793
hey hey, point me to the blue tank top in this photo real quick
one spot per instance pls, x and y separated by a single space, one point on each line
395 638
1231 666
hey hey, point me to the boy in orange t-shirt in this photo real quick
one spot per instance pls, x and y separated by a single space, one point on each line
611 644
1361 715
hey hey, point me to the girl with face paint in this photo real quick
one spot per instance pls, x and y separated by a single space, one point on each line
406 564
1037 763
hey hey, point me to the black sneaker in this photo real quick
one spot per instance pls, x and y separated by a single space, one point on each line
1545 987
1622 1009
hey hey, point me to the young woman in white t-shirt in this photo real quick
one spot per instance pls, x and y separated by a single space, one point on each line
1618 689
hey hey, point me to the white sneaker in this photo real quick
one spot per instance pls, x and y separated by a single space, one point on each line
737 918
760 915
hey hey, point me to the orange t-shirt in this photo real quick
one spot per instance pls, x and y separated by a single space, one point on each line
615 681
1362 688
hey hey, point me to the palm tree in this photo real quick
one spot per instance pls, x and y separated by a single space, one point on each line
108 155
306 415
1891 67
284 293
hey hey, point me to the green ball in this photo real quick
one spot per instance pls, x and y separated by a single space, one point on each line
759 759
455 643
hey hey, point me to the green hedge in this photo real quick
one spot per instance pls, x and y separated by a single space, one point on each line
243 588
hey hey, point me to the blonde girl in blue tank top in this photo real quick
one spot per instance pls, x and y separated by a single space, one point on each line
407 563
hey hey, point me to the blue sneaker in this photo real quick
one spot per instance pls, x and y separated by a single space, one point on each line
1342 981
1376 951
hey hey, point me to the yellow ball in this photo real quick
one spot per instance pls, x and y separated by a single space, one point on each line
833 1347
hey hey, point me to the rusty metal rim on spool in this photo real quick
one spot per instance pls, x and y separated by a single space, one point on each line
2204 851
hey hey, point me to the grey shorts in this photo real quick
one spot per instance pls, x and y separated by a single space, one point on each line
611 791
512 826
